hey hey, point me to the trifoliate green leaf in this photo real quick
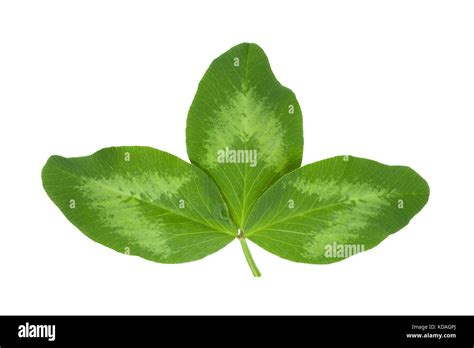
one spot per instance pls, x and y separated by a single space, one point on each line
245 131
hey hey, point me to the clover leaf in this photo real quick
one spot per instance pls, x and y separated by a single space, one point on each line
244 138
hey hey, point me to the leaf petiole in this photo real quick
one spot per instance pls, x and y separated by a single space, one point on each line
248 255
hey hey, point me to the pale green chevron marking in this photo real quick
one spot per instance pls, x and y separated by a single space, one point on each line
241 106
330 189
125 195
154 205
342 200
247 120
342 227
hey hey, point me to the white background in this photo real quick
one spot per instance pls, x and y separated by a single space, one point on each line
388 80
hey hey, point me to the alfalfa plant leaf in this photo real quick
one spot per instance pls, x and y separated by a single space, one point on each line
244 138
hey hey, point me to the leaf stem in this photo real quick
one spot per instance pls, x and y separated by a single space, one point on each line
248 256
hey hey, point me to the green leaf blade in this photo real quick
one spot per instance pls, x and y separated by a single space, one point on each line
329 210
141 201
241 108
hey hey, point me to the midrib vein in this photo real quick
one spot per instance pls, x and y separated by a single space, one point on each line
108 188
329 206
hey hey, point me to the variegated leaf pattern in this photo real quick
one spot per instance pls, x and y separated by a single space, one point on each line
141 201
244 128
329 210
